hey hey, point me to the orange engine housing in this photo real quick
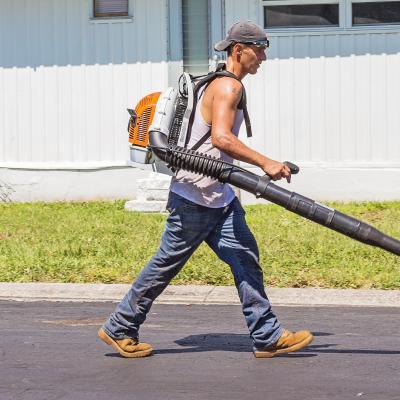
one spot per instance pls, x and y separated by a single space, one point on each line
139 131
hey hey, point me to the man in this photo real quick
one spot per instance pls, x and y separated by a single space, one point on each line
203 209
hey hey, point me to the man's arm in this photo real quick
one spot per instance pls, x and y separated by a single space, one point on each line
226 97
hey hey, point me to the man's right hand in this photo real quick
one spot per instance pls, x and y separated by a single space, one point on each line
277 170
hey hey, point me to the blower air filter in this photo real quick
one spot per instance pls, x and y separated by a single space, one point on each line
138 128
141 119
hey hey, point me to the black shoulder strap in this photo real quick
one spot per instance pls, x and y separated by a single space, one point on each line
206 81
202 140
243 101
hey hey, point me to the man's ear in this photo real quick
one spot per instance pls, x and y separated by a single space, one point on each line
237 49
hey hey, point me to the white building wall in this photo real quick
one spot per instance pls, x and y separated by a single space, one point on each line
325 100
65 83
315 105
329 101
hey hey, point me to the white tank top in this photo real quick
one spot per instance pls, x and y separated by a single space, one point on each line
198 188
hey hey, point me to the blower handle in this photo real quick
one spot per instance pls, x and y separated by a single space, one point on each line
294 169
265 180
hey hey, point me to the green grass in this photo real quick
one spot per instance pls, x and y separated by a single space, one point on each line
100 242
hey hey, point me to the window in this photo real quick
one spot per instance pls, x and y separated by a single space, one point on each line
110 8
371 13
301 15
344 14
195 32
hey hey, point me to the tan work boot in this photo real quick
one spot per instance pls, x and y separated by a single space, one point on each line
130 348
288 342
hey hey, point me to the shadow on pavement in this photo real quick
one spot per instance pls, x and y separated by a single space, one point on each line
242 343
228 342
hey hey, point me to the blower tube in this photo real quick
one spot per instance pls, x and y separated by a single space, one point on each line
180 158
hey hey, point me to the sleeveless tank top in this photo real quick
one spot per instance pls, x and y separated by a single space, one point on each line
197 188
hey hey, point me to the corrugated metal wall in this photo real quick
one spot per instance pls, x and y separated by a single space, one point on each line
329 98
66 81
328 101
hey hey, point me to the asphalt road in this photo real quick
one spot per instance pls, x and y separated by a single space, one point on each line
51 351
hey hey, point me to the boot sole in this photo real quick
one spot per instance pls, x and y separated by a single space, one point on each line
295 347
110 341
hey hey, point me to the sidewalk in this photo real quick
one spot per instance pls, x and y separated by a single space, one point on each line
197 294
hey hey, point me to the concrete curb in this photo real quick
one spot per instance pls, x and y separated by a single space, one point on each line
197 294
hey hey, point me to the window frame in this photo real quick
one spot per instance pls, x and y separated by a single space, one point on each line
345 18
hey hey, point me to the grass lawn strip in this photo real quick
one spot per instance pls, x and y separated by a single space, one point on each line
101 242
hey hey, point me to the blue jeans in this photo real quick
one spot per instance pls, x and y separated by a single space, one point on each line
226 232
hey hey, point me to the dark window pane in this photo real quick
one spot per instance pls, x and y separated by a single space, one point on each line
105 8
376 13
301 15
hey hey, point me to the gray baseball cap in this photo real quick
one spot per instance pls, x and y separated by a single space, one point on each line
242 32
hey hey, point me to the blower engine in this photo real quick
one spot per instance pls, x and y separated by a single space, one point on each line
168 113
159 130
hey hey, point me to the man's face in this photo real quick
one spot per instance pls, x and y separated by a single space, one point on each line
252 56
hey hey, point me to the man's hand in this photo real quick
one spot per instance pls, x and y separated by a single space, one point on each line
276 170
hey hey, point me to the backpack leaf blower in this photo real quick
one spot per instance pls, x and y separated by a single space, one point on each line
160 131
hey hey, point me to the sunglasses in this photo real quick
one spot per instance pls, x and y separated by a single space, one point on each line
262 44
